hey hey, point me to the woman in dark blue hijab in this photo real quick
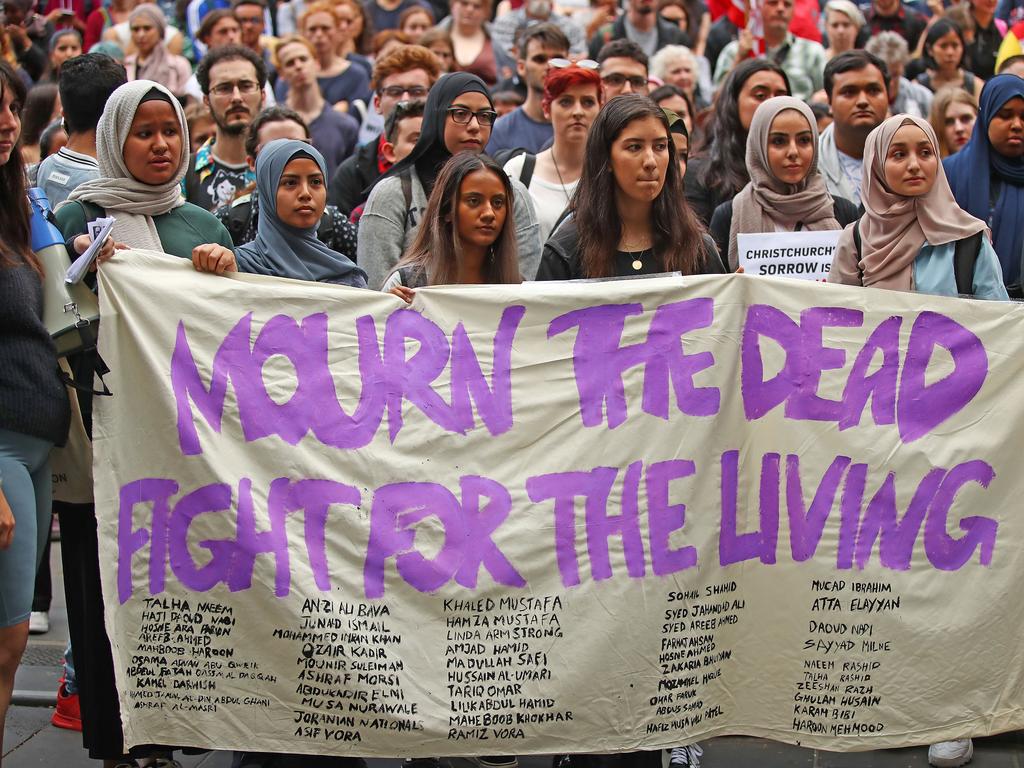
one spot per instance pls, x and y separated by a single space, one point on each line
287 250
987 175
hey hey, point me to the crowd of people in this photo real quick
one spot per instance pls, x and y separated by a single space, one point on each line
396 144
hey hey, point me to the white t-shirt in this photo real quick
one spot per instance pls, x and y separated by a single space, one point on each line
549 198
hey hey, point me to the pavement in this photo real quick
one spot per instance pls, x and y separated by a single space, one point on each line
30 741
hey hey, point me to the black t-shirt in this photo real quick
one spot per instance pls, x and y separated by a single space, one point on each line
215 184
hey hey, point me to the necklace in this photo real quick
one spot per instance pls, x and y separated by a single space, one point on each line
560 179
638 249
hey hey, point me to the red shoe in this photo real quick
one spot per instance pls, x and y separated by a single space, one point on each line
68 713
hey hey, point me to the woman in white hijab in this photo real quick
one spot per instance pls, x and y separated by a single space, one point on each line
910 234
142 151
786 193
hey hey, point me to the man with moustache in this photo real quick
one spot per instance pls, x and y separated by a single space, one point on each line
857 85
232 79
641 24
802 60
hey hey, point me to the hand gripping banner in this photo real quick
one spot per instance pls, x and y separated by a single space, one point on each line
557 518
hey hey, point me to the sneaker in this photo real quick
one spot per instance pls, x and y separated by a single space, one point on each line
38 623
510 761
68 713
686 757
951 754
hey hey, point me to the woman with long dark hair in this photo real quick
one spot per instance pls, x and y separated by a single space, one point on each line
718 170
944 56
34 411
629 214
467 236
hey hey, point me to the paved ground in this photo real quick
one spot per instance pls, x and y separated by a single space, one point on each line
30 741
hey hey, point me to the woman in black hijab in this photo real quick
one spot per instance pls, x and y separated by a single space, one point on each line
457 118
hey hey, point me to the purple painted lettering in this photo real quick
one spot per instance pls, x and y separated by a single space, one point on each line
945 552
665 518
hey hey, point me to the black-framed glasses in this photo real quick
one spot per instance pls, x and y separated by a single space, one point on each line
617 80
582 63
254 20
462 116
397 91
245 87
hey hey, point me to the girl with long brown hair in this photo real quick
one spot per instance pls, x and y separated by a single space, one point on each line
629 214
467 235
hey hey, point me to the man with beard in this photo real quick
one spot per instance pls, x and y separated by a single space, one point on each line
641 24
857 84
525 126
232 79
802 60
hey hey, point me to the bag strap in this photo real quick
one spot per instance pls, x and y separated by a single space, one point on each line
406 180
857 246
529 163
965 256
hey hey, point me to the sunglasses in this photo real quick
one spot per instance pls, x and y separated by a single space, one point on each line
582 63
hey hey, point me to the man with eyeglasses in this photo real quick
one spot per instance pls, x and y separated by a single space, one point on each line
232 79
623 69
525 127
406 74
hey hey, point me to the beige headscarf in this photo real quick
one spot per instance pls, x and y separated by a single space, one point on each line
119 193
894 228
766 202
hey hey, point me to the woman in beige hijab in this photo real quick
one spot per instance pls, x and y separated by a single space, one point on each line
907 238
785 192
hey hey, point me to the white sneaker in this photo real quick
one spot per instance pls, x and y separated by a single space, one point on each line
951 754
686 757
38 623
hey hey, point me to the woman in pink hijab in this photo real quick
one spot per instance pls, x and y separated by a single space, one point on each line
913 236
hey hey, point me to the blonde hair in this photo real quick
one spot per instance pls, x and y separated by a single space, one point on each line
944 99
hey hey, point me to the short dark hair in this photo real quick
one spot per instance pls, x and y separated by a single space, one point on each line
853 61
622 49
275 114
211 20
1009 62
401 110
85 84
236 3
229 53
549 35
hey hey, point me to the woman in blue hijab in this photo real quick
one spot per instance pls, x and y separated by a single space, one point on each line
987 175
291 180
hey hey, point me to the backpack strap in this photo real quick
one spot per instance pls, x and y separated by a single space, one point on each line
965 256
529 163
857 247
406 180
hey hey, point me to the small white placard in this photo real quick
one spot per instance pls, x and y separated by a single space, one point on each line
803 255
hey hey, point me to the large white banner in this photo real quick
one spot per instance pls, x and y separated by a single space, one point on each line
557 517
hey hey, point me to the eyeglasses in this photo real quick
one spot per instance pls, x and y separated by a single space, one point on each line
462 116
245 87
582 63
617 80
254 20
397 91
